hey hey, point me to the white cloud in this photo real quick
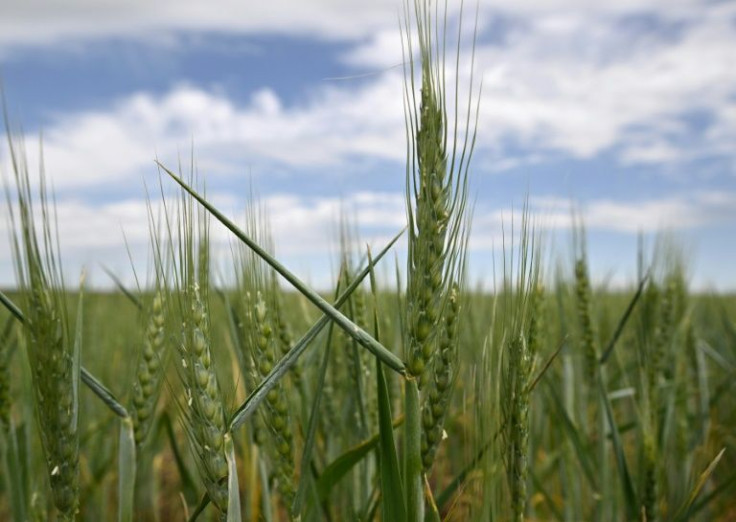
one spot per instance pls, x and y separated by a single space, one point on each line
44 22
581 81
305 231
673 213
582 88
572 82
49 22
94 148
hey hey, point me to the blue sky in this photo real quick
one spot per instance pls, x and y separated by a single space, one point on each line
624 110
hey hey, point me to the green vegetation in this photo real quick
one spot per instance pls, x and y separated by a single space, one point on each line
548 399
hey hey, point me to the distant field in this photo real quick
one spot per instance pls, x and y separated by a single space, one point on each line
695 420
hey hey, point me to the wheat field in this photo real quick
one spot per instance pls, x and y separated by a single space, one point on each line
249 395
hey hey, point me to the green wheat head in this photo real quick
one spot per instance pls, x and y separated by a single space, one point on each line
53 353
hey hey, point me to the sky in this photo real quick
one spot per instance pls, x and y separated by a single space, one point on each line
623 112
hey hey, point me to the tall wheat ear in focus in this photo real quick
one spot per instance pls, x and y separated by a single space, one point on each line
53 348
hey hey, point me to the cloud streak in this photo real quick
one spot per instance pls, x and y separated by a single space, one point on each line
45 22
